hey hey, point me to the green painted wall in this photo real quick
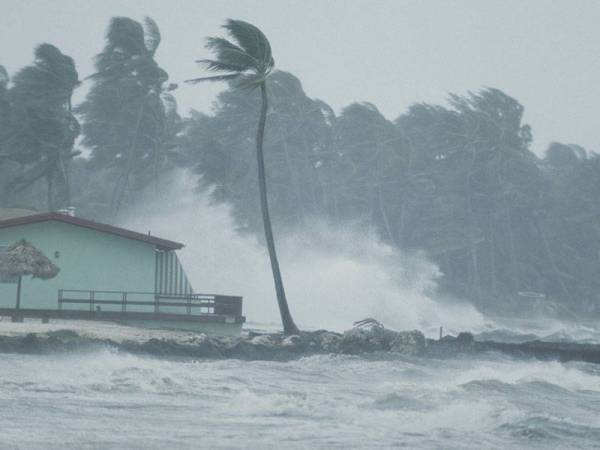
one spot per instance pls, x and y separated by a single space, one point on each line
88 260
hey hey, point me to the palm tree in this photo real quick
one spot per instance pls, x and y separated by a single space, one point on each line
125 112
43 127
248 62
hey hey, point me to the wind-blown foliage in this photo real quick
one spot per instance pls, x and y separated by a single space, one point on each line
42 129
458 181
128 116
297 142
247 60
4 113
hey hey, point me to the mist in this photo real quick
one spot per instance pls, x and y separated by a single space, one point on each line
334 274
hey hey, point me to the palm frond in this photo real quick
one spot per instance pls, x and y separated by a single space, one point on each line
152 35
219 66
252 40
251 81
125 34
250 62
231 76
227 52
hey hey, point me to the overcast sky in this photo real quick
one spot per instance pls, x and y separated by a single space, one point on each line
388 52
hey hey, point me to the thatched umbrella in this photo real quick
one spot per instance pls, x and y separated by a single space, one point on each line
23 259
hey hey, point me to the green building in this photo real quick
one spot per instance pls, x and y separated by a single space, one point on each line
111 273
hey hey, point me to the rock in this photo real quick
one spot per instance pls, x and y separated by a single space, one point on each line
408 343
266 340
276 347
330 342
360 340
465 339
291 341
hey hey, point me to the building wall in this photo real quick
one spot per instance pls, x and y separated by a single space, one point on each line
88 259
170 278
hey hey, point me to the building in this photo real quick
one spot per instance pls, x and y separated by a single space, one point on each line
111 273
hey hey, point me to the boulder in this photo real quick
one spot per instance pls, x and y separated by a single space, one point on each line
465 340
330 342
291 341
408 343
360 340
266 340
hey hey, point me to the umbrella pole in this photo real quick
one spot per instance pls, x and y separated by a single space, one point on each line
19 293
17 317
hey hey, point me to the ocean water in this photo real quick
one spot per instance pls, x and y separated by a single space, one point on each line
106 399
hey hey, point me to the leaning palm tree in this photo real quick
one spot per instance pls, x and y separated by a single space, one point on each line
247 62
23 259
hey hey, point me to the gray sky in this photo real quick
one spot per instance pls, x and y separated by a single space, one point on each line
388 52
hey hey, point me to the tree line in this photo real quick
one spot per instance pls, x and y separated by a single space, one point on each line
458 181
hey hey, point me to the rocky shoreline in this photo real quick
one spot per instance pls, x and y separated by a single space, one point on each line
276 347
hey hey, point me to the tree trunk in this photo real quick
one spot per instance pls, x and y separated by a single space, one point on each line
492 248
513 251
537 224
475 276
384 216
289 327
123 181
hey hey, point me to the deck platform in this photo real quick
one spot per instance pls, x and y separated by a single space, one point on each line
118 316
195 312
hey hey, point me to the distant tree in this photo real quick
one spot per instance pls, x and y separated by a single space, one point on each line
129 116
4 113
221 148
248 61
42 127
476 217
567 217
5 174
369 168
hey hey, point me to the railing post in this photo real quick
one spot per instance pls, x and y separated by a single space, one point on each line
156 303
91 301
123 301
189 304
60 299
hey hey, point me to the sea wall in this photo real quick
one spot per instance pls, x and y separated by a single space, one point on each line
278 347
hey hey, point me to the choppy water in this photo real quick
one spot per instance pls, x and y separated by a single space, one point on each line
105 399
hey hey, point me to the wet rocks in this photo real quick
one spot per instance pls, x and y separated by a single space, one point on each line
409 343
361 340
377 339
330 342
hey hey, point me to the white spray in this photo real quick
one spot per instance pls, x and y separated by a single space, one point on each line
333 275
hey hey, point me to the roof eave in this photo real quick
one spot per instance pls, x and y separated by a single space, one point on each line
159 243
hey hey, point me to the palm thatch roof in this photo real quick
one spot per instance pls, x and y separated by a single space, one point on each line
12 213
23 259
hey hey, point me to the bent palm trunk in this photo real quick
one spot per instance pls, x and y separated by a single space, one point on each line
289 327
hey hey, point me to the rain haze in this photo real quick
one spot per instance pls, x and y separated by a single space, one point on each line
299 224
390 53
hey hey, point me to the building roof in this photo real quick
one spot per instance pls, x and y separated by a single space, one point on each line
162 244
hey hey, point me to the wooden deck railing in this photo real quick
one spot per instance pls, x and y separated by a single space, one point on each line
191 304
